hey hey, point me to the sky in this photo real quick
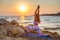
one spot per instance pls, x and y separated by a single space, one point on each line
11 7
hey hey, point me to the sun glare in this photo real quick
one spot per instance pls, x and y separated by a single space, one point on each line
22 8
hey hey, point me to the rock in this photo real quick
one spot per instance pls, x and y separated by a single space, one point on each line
55 34
15 29
4 24
14 22
50 33
10 28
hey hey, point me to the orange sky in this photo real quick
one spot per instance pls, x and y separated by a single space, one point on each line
10 7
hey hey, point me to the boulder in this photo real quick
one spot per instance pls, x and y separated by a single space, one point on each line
14 22
15 29
50 33
4 22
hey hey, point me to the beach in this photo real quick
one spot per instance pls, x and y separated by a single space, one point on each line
28 38
29 20
10 31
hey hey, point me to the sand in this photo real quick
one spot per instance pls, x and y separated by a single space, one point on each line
6 27
28 38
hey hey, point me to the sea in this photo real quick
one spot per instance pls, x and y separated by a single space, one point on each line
46 21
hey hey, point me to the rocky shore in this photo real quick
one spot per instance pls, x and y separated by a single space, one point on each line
13 31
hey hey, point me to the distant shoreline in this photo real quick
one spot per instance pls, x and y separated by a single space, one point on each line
50 14
57 14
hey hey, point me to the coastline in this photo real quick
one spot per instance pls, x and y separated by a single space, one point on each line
6 32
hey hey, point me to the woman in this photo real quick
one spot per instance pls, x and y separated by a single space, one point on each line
33 29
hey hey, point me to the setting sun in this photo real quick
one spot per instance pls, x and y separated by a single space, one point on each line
22 8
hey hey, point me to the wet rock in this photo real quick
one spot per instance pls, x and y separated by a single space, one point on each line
15 29
50 33
10 28
14 22
55 34
4 24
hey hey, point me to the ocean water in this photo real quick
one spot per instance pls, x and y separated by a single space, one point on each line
46 21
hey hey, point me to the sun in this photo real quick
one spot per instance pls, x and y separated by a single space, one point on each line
22 8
